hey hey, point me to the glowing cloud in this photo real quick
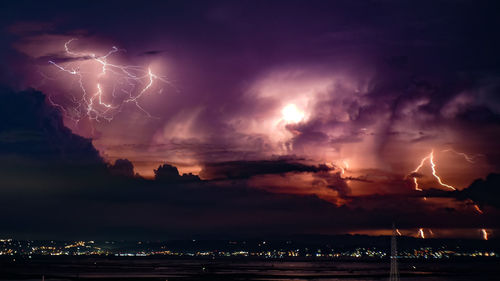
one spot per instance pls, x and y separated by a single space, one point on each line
291 114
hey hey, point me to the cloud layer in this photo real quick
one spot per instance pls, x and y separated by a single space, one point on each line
71 192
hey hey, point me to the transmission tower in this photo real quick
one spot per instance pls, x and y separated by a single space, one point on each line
394 256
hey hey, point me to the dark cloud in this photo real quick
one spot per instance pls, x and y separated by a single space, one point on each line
169 173
248 169
37 151
33 129
483 191
59 59
122 167
151 53
333 181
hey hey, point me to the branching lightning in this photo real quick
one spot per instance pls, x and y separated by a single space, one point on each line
129 84
430 158
100 100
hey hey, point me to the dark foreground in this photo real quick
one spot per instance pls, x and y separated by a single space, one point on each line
158 268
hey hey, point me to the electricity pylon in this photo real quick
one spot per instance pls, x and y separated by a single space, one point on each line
394 256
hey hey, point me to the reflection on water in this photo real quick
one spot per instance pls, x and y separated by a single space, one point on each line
234 269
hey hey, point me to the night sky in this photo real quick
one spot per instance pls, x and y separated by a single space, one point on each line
168 119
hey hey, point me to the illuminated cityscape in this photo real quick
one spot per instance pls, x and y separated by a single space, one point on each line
255 249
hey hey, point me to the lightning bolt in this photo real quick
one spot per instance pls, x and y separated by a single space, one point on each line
433 166
478 209
398 232
484 232
151 76
421 233
128 81
430 158
344 166
416 171
467 157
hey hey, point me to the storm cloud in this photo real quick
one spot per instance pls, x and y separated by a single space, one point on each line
312 114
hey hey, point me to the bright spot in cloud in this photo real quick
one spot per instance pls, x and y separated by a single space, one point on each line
292 114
